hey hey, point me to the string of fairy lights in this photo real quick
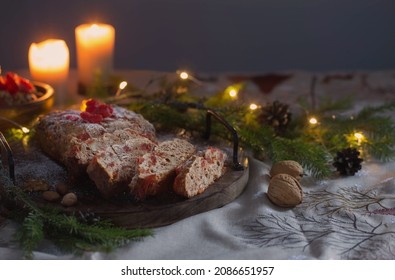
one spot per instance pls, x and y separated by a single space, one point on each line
357 138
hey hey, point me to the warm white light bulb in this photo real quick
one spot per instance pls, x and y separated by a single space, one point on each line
253 106
233 93
25 130
184 75
358 135
313 121
123 84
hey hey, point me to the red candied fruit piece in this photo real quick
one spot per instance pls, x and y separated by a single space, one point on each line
140 160
91 106
11 83
84 136
95 107
153 159
92 118
25 85
127 149
104 110
95 111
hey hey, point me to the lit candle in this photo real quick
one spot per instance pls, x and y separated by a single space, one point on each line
49 61
95 48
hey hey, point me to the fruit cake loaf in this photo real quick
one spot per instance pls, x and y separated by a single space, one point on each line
57 132
156 170
74 138
199 172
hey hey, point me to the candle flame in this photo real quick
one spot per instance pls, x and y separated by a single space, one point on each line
96 30
49 54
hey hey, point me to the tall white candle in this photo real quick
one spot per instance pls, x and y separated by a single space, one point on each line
49 61
95 51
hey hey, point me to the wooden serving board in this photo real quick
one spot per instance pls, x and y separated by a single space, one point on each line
165 209
32 164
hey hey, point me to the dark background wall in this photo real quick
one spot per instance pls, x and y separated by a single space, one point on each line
214 35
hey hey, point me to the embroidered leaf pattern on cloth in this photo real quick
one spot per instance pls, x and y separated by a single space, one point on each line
350 222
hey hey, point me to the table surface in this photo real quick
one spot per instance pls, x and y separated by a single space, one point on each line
340 218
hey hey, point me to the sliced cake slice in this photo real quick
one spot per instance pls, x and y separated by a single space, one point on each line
115 167
156 170
199 172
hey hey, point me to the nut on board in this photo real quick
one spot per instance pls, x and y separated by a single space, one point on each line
69 199
35 185
50 196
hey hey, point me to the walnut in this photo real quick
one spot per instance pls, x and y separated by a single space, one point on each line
289 167
284 190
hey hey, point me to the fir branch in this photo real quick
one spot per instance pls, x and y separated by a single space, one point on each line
311 156
102 236
326 104
31 233
52 223
259 141
166 117
329 105
263 142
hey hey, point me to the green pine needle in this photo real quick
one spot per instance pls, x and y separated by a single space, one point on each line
312 157
65 230
31 233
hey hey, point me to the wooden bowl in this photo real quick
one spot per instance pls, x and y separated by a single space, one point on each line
25 113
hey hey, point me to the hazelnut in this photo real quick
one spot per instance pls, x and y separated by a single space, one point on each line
50 196
284 190
36 185
62 188
69 199
289 167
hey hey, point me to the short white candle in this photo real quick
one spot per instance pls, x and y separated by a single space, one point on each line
95 49
49 61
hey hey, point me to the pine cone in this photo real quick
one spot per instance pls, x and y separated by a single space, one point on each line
347 161
276 115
